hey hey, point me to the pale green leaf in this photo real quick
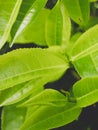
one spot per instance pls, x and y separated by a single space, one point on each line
86 91
79 10
35 31
23 65
72 42
8 14
50 117
84 53
12 117
47 97
19 92
28 12
58 26
31 110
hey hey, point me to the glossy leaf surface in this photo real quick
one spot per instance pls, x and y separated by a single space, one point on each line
78 11
25 64
47 97
86 91
84 53
58 26
28 12
12 117
8 14
35 31
51 117
19 92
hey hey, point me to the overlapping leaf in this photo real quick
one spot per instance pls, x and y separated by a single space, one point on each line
19 92
25 64
47 97
86 91
79 10
85 52
28 12
8 13
58 26
35 31
51 117
12 117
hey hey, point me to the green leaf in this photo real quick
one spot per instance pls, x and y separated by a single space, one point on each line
84 53
12 118
19 92
58 26
51 117
28 13
47 97
35 31
93 0
8 14
79 10
23 65
72 42
86 91
31 110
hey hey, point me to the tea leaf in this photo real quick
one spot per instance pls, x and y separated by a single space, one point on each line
19 92
12 117
35 31
84 53
78 11
47 97
8 14
51 117
28 12
23 65
86 91
58 26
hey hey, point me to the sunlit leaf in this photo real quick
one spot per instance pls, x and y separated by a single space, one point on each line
86 91
35 31
51 117
85 52
28 12
58 26
47 97
8 14
19 92
23 65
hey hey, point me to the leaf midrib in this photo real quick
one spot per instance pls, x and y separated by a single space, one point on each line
49 118
85 52
41 69
88 94
9 25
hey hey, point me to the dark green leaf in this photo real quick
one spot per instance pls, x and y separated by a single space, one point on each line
79 10
12 118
